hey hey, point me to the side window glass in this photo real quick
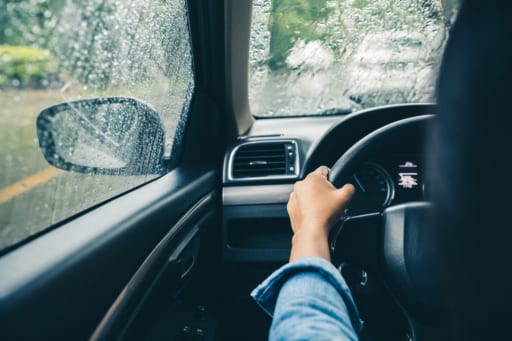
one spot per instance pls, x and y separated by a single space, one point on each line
93 94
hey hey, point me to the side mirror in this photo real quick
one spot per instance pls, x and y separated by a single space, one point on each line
115 135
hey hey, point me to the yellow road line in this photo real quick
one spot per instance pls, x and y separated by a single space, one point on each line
27 184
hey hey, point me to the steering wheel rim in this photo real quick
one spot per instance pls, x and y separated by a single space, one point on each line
347 164
404 256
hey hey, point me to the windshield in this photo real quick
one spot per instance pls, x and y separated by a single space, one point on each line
330 57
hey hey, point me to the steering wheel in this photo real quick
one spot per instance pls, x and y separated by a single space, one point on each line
395 243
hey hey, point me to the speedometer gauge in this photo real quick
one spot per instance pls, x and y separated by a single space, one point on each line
374 189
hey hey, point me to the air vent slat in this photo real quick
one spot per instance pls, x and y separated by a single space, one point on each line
266 171
262 167
245 156
271 157
265 159
262 149
253 162
275 153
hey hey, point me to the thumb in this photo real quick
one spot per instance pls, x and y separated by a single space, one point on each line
323 170
345 194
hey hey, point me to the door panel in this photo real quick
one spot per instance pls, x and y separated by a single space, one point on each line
161 277
61 284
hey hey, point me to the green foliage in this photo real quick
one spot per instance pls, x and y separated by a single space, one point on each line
360 4
337 23
24 66
292 20
28 22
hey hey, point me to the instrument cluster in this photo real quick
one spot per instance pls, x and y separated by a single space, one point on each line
387 181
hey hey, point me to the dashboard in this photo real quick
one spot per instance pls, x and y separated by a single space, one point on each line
262 166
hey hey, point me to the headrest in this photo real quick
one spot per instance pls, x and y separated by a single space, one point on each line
471 166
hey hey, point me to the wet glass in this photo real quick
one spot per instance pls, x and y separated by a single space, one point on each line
65 50
336 56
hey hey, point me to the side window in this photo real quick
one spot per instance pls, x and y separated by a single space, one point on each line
92 96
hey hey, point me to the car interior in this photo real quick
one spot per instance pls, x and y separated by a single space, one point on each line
423 247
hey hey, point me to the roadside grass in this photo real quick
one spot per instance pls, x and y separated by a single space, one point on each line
19 152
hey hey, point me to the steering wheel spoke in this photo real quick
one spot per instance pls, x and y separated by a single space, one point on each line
356 240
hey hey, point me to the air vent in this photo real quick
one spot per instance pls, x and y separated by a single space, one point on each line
265 159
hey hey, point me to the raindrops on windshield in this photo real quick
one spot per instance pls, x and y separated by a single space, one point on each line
312 57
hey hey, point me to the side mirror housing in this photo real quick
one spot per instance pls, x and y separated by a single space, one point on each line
114 135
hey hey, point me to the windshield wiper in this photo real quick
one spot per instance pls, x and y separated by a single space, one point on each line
336 111
352 106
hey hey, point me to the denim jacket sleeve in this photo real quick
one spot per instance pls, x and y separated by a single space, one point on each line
309 300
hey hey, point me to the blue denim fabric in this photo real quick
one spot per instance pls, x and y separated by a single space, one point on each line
309 300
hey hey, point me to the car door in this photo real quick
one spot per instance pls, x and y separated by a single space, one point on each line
128 194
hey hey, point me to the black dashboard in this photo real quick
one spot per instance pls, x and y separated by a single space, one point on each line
262 166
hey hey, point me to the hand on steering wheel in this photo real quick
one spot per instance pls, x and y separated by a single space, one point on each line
314 207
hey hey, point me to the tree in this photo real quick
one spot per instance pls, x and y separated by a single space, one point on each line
25 22
291 20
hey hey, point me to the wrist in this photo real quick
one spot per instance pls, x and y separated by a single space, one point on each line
311 234
312 242
314 228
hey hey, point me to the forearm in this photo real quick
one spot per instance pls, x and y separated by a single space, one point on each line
310 243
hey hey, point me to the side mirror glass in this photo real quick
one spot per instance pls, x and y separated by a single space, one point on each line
114 135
